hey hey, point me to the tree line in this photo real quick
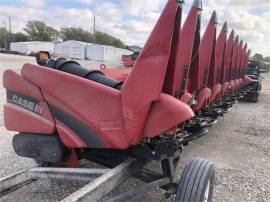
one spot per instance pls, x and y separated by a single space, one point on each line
39 31
263 62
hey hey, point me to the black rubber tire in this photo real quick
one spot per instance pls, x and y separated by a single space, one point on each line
254 98
194 181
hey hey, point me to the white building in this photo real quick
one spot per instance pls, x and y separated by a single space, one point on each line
32 47
82 50
71 49
105 53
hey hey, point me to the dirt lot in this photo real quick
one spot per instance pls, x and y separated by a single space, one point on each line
238 145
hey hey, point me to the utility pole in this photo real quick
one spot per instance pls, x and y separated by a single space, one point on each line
10 36
94 29
94 24
1 33
5 33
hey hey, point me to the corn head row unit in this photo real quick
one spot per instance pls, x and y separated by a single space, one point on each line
179 85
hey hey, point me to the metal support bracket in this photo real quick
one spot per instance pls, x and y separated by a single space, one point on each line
101 181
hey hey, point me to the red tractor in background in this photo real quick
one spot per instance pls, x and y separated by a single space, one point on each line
178 86
129 60
121 73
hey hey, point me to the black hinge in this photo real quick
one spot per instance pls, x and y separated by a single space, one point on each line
218 76
185 78
206 74
227 74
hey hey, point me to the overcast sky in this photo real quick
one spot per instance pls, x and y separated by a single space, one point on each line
132 20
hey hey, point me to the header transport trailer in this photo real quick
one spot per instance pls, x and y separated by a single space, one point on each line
64 113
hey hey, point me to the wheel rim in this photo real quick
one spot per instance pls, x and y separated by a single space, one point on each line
207 191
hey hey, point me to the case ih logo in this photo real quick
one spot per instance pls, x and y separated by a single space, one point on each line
26 102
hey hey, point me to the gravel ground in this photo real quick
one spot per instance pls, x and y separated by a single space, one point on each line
238 145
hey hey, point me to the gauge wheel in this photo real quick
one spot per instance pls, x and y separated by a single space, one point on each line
197 182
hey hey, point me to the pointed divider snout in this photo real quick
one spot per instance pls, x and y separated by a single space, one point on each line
241 42
214 17
237 38
225 27
232 34
198 4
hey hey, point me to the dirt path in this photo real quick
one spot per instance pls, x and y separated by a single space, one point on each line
239 147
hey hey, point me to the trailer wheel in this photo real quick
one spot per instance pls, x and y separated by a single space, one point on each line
197 182
254 97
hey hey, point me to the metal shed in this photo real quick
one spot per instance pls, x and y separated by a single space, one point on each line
105 53
32 47
72 49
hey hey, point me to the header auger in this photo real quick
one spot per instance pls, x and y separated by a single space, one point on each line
179 85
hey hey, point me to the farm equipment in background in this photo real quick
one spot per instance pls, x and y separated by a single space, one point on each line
254 81
121 74
129 60
123 119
